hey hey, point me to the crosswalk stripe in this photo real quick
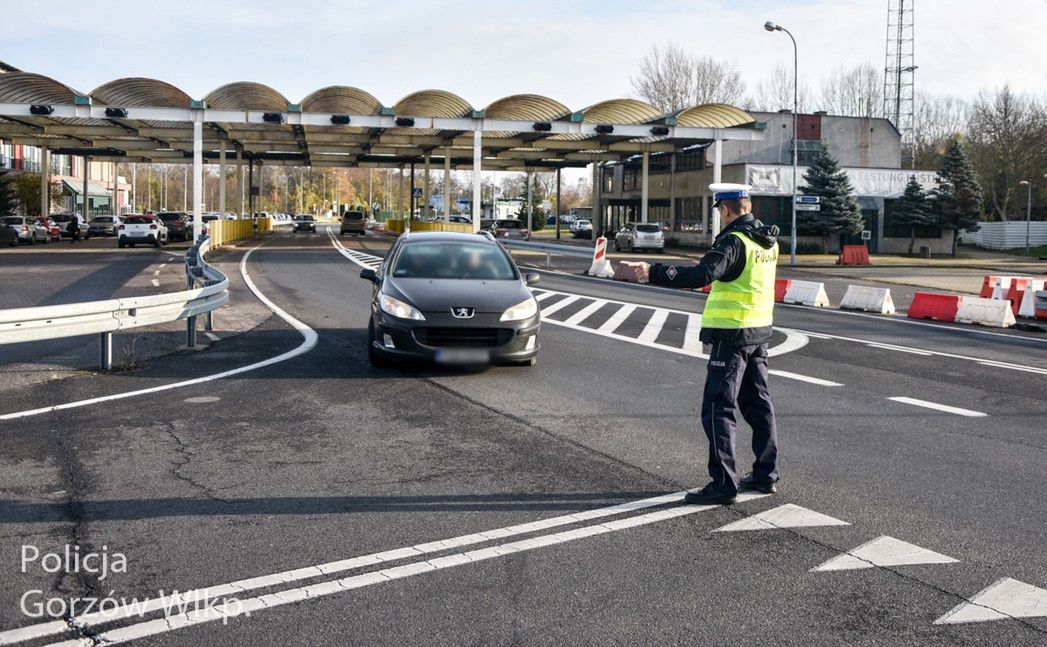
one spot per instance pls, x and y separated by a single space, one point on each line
691 342
654 326
617 319
542 296
558 305
583 314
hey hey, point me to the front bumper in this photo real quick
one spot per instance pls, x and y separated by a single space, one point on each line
415 340
151 238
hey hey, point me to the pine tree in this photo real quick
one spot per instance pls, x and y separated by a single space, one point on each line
958 197
8 199
914 210
839 208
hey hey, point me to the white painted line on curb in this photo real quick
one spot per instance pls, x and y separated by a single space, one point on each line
251 605
939 407
309 338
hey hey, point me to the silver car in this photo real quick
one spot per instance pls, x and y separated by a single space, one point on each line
27 230
635 236
104 225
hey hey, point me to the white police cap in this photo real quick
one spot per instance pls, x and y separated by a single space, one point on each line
729 191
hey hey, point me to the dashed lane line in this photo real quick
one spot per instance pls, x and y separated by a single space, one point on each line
939 407
309 338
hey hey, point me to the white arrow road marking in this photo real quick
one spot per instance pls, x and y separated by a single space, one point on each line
784 516
939 407
1004 600
195 599
883 551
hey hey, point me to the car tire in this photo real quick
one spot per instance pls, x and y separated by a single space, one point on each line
120 244
617 247
158 243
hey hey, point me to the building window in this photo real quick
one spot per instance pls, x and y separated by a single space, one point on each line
806 151
689 216
692 160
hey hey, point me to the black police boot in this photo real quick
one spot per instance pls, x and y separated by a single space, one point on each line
754 483
710 495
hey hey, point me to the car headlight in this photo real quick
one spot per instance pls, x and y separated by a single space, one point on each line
399 309
523 310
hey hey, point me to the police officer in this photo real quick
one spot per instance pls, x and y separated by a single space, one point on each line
737 324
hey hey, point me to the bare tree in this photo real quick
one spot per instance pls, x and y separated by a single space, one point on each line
938 120
666 78
717 82
853 91
1008 143
775 92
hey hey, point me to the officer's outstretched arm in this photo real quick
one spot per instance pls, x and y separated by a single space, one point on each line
714 266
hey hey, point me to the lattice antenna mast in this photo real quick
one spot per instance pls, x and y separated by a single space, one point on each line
899 74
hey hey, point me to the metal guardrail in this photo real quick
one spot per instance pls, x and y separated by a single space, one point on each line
549 248
207 289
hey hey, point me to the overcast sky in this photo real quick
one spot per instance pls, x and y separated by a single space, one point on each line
576 51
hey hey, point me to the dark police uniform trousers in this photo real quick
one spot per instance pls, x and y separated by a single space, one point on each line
737 377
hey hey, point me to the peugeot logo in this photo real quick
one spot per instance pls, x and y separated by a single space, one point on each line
463 313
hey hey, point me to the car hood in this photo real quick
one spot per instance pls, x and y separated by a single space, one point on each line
439 295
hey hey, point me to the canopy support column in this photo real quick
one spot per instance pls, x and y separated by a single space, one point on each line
477 170
645 192
527 208
45 184
83 196
425 183
116 193
198 176
447 184
221 178
240 177
559 208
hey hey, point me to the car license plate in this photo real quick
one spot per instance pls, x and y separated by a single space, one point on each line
463 356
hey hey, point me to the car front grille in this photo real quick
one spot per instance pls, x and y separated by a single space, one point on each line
463 337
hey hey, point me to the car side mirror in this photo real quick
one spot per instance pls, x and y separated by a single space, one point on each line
532 278
369 274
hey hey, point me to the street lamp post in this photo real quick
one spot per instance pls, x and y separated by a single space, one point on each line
770 26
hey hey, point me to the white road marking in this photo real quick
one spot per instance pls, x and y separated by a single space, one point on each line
157 272
583 314
1014 367
309 338
883 551
203 399
252 605
900 349
1005 599
784 516
691 341
156 283
617 319
341 566
939 407
542 296
803 378
653 327
562 303
211 336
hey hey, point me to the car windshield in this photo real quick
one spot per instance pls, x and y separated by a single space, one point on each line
583 222
303 218
453 260
12 220
61 217
103 219
138 220
171 216
354 215
648 229
509 224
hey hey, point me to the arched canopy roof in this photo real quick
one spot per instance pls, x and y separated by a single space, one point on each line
527 107
140 92
246 95
342 99
713 115
26 87
433 103
621 111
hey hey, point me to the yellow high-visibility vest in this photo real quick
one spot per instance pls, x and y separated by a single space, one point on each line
747 301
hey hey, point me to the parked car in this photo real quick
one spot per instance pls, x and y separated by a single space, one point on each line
179 224
452 298
138 228
28 230
303 222
582 228
510 228
8 235
62 219
353 222
636 236
460 220
103 225
52 228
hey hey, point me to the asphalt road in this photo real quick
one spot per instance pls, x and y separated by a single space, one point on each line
319 459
